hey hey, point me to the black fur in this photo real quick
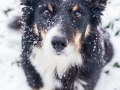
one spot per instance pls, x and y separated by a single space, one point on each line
92 51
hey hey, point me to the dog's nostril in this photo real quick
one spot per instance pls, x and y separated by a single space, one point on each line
59 43
53 43
63 44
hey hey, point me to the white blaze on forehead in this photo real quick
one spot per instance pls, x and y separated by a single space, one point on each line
55 30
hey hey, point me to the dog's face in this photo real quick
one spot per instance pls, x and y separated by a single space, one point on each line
64 24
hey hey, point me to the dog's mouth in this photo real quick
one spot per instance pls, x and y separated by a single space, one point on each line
60 53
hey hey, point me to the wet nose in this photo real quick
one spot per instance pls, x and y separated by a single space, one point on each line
59 43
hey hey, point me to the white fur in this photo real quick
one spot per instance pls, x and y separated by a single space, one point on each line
49 50
47 66
77 84
47 62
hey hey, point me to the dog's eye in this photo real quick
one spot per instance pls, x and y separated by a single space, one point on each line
77 14
47 13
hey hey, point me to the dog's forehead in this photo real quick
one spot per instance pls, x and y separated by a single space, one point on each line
73 1
63 4
68 2
64 0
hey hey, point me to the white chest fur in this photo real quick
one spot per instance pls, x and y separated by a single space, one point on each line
48 65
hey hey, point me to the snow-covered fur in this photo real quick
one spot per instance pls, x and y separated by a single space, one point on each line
63 46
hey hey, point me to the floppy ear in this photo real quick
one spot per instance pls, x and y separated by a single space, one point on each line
97 3
28 10
28 2
97 7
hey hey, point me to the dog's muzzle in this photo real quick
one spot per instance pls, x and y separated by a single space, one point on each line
59 43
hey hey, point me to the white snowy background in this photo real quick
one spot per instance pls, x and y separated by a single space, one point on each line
11 74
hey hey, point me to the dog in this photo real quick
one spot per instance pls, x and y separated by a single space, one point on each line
63 46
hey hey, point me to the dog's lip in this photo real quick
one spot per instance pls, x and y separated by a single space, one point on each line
61 53
58 53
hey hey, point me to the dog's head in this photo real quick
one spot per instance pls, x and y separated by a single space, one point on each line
63 25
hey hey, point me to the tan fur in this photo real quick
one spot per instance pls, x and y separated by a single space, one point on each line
75 8
87 30
77 41
36 30
50 7
43 34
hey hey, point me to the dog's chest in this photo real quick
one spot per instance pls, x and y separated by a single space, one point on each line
48 69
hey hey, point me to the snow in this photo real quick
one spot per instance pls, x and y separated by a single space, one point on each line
12 76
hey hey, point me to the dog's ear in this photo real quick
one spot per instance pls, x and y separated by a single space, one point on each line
97 3
28 10
23 1
97 6
28 2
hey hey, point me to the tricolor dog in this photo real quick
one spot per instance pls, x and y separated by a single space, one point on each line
63 46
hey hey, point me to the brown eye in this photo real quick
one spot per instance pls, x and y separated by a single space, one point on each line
77 14
46 13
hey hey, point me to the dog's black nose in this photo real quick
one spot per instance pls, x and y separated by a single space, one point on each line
59 43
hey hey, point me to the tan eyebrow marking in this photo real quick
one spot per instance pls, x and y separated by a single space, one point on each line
78 41
50 7
43 34
75 8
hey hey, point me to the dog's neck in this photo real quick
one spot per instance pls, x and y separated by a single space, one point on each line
53 69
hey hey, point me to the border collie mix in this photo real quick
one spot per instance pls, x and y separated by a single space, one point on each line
63 47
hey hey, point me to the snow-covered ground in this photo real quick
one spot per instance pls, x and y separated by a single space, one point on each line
11 74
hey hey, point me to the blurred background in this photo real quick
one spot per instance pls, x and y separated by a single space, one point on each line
11 74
